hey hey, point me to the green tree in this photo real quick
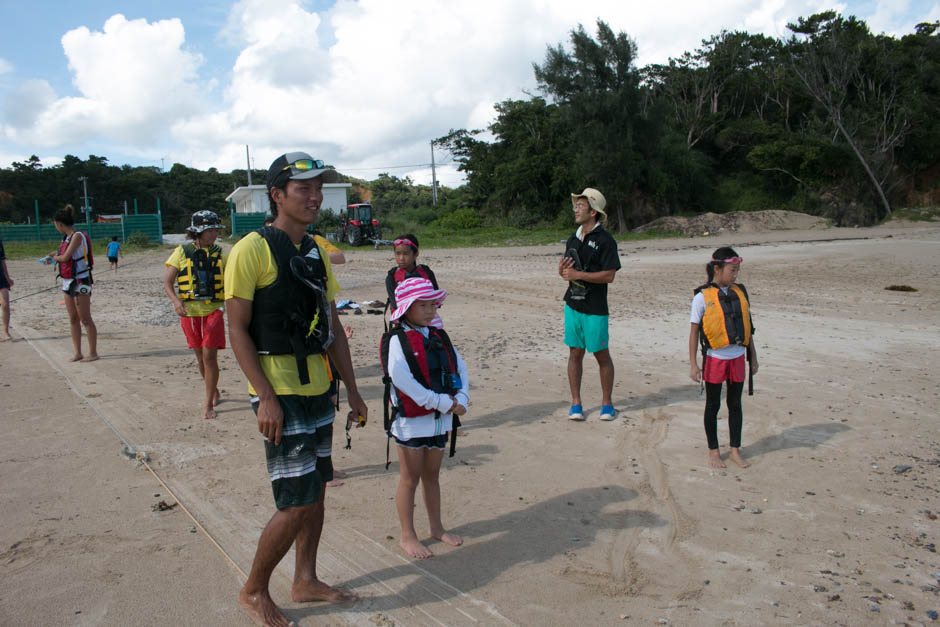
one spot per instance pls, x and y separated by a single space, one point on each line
598 86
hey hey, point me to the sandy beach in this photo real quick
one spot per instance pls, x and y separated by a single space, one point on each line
592 523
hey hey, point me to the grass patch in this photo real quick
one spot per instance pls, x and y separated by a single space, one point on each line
35 250
500 236
914 214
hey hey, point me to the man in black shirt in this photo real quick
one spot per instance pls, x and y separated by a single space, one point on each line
590 263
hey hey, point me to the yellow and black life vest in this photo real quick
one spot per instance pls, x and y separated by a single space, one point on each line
200 278
727 318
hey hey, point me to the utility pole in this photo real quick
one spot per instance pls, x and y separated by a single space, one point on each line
433 177
162 166
248 163
87 209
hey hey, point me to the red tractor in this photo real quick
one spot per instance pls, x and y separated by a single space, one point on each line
357 226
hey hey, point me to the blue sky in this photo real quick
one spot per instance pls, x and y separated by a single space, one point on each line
363 85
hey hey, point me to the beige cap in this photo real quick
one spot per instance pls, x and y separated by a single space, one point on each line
595 199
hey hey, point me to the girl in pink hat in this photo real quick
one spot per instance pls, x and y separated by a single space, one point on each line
429 389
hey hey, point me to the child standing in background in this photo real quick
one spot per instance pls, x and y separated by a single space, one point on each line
114 250
429 388
721 320
407 267
194 285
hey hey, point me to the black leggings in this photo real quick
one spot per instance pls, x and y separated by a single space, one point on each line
735 418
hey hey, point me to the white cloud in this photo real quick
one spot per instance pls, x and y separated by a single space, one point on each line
132 78
26 102
366 83
5 66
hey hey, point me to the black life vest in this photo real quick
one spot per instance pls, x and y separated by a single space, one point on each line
292 315
433 363
200 278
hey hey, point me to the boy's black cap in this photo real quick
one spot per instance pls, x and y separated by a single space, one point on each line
283 170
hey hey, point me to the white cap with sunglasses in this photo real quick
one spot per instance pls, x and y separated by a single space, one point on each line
295 166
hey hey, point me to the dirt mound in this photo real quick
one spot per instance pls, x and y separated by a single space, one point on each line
735 222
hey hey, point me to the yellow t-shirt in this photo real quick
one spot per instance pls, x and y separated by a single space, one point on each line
251 266
195 308
325 244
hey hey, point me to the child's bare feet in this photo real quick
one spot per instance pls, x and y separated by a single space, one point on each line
448 538
6 336
216 398
415 549
262 609
307 591
209 413
89 358
735 456
714 459
77 357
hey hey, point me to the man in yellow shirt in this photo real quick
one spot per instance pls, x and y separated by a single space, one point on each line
283 328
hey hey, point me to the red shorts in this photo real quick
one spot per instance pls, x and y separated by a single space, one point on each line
721 370
204 331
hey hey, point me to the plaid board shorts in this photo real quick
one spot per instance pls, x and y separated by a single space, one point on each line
301 464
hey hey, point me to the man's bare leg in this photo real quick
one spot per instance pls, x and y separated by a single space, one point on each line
410 463
275 541
736 457
210 371
431 487
75 327
5 306
199 361
83 305
714 459
606 366
306 586
575 371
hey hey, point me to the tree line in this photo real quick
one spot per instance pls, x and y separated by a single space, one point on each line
833 120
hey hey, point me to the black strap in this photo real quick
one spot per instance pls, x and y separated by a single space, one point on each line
453 435
750 373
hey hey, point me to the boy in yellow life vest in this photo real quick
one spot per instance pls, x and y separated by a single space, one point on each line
721 320
194 284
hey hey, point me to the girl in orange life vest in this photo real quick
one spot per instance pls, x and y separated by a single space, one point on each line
421 434
75 271
721 316
406 267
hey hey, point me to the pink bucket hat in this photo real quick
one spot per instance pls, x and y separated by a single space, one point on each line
410 290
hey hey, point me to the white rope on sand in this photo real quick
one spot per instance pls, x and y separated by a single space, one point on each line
131 451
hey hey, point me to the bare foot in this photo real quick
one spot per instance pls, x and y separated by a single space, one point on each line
448 538
735 456
263 610
6 336
216 398
89 358
334 483
208 413
77 357
307 591
714 459
415 549
339 474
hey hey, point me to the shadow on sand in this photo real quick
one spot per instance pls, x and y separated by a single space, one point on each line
532 535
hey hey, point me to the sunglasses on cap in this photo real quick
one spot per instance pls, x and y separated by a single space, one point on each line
303 165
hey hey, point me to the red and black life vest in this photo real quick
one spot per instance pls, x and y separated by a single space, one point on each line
430 360
73 267
400 274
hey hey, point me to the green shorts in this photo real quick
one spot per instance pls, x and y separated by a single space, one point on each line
585 331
